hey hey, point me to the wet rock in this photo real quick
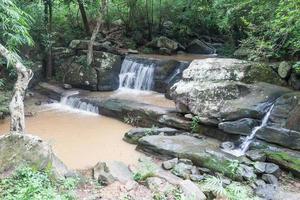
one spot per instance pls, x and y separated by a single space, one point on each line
260 183
135 134
182 170
227 145
164 51
256 155
188 116
196 178
158 185
284 69
169 164
270 178
204 170
175 120
17 150
67 86
107 173
226 89
294 81
191 190
204 153
241 127
200 47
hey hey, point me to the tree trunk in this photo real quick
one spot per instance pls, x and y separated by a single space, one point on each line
16 106
84 17
48 22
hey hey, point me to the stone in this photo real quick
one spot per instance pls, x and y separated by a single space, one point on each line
200 47
246 172
188 116
67 86
135 134
164 42
158 185
270 178
83 45
191 190
170 164
260 183
182 170
260 167
18 150
242 127
203 153
133 51
109 172
284 70
256 155
196 178
294 81
222 89
272 168
242 52
185 161
227 145
267 191
164 51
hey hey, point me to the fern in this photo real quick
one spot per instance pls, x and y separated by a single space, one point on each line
214 185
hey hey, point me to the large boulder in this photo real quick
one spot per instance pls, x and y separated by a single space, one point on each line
102 76
18 150
199 47
164 43
217 89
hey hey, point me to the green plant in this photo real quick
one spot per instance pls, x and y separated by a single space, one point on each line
145 169
150 131
195 125
27 184
133 120
296 68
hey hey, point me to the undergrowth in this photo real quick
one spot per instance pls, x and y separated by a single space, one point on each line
29 184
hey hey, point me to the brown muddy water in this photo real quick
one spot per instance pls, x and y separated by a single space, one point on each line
81 140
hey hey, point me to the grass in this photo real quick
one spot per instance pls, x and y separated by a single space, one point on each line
29 184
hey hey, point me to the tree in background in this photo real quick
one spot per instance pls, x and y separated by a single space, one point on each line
14 24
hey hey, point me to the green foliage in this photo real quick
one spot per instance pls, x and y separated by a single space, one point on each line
195 125
234 191
27 184
296 68
146 168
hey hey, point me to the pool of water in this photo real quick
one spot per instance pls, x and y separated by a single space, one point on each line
80 139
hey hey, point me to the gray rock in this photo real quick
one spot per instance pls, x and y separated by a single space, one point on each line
164 42
270 178
200 47
18 150
272 168
246 172
164 51
196 178
135 134
107 173
284 69
182 170
256 155
67 86
267 191
170 164
227 145
241 127
185 161
133 51
294 81
188 116
260 167
260 183
224 90
191 190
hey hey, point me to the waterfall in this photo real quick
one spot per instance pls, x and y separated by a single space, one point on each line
136 75
243 148
69 102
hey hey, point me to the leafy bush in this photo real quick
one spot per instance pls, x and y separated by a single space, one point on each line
27 184
145 169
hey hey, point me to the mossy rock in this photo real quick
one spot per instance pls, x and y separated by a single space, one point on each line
4 102
260 72
285 160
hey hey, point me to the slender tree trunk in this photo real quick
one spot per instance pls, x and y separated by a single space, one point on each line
48 23
84 17
16 106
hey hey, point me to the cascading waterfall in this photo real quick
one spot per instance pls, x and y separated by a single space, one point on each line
136 75
73 103
243 148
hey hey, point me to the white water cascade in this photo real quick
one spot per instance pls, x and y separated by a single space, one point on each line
71 103
136 75
243 148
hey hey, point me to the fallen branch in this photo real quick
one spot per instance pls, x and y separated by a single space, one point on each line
16 106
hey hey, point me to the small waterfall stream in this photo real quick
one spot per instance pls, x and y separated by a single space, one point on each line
72 103
136 75
243 148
